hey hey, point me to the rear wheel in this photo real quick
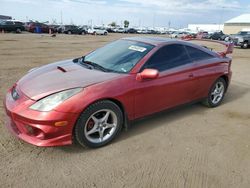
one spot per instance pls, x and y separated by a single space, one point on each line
245 45
99 124
216 93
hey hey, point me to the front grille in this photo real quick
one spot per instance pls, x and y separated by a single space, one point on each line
14 94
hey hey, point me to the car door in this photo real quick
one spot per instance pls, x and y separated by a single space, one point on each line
175 85
9 26
204 70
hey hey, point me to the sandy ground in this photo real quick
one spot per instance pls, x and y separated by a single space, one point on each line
190 147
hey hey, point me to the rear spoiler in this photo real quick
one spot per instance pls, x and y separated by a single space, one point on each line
228 45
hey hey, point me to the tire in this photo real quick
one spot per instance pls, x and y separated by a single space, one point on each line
69 32
18 30
98 124
105 33
245 45
217 91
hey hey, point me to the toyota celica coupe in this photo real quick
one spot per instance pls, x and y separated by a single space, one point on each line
91 98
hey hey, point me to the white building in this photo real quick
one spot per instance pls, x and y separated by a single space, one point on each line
237 24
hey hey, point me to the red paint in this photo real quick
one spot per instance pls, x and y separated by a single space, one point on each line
140 94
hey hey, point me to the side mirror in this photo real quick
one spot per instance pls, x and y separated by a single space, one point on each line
147 74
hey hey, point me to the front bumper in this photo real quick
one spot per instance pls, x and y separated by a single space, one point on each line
37 128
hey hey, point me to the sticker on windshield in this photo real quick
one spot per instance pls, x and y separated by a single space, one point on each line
137 48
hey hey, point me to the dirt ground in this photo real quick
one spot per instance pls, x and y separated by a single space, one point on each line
190 147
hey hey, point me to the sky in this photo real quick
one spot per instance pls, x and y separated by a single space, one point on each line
153 13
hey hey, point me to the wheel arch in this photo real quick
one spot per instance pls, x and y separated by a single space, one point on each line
225 77
122 107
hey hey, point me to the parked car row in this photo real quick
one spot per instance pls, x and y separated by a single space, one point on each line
37 27
241 39
135 30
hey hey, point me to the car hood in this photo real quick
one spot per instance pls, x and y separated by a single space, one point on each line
59 76
236 36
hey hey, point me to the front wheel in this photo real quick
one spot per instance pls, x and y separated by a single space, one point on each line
216 93
18 30
99 124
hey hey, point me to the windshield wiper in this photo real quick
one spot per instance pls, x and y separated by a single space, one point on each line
96 66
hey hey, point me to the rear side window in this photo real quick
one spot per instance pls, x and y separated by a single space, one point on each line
197 55
168 57
18 23
9 23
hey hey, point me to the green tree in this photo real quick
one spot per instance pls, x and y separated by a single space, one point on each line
126 23
113 24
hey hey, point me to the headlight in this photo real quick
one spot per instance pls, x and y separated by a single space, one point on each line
50 102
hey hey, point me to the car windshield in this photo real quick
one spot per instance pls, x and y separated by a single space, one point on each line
119 56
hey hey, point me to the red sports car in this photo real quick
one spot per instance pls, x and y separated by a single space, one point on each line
93 97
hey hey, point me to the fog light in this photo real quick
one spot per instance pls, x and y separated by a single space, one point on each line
29 129
61 123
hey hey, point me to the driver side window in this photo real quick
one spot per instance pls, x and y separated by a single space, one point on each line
168 57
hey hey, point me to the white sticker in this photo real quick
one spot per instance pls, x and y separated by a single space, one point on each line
137 48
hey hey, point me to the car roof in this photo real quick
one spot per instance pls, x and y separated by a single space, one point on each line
151 40
160 41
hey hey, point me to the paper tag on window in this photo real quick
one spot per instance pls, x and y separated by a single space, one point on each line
137 48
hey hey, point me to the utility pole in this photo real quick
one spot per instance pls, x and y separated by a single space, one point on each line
154 20
61 18
221 17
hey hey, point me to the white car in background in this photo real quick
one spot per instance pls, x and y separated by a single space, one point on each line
179 34
98 31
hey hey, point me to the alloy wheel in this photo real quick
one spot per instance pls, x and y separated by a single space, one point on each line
217 93
100 126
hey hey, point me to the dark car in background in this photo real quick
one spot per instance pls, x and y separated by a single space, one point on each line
12 26
72 29
37 27
110 30
241 39
131 30
218 36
